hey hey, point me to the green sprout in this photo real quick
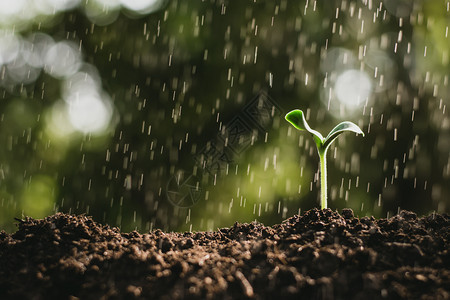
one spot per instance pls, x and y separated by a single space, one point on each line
297 119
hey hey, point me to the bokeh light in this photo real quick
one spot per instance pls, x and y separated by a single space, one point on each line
382 67
337 60
102 12
53 6
89 112
11 8
9 47
62 59
142 6
353 87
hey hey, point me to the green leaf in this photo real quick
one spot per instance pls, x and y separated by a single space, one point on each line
341 128
297 119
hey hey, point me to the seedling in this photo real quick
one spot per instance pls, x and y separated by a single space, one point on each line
297 119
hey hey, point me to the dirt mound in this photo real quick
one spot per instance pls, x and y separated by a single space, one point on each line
319 255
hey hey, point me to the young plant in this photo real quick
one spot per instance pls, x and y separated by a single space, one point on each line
297 119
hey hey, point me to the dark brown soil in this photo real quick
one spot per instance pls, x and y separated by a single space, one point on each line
319 255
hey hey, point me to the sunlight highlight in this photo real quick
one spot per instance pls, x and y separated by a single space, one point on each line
352 87
142 6
62 59
89 113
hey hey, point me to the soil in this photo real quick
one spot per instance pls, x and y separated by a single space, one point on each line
319 255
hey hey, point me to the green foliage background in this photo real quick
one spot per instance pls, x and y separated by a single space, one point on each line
189 68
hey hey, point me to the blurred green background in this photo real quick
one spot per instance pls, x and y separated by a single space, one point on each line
170 114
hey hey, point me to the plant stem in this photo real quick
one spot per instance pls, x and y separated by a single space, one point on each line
323 178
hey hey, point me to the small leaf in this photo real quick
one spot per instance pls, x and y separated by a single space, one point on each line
297 119
340 128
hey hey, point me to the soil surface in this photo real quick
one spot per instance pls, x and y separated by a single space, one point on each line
319 255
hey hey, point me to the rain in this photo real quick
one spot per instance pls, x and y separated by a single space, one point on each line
170 114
